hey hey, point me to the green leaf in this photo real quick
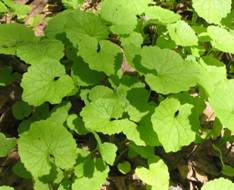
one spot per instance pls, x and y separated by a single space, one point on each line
85 164
48 81
59 113
131 131
76 124
171 123
164 16
101 56
212 10
147 133
83 75
222 102
41 51
100 91
87 23
97 115
156 175
6 188
72 4
228 21
6 145
108 152
124 167
21 171
94 183
11 40
228 170
39 185
102 111
39 113
122 14
21 110
182 34
217 184
7 76
65 185
19 9
142 151
133 38
164 41
103 115
3 8
47 143
136 106
221 39
56 26
93 176
169 73
81 23
210 74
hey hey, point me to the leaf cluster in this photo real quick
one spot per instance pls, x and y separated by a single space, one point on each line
143 75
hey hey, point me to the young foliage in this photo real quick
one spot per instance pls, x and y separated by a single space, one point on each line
10 40
48 143
182 34
164 16
6 188
223 107
93 177
44 144
7 76
50 82
220 183
6 145
41 51
122 14
109 92
156 176
211 10
171 122
21 110
221 38
168 72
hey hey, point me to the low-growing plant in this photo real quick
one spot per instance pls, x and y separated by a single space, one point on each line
130 80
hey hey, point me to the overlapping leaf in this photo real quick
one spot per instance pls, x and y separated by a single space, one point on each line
211 73
10 40
168 73
104 115
164 16
41 51
157 175
212 10
78 22
7 76
171 122
108 152
91 173
6 188
182 34
221 38
3 8
48 81
90 45
82 75
122 14
224 107
217 184
45 143
6 145
100 56
21 110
